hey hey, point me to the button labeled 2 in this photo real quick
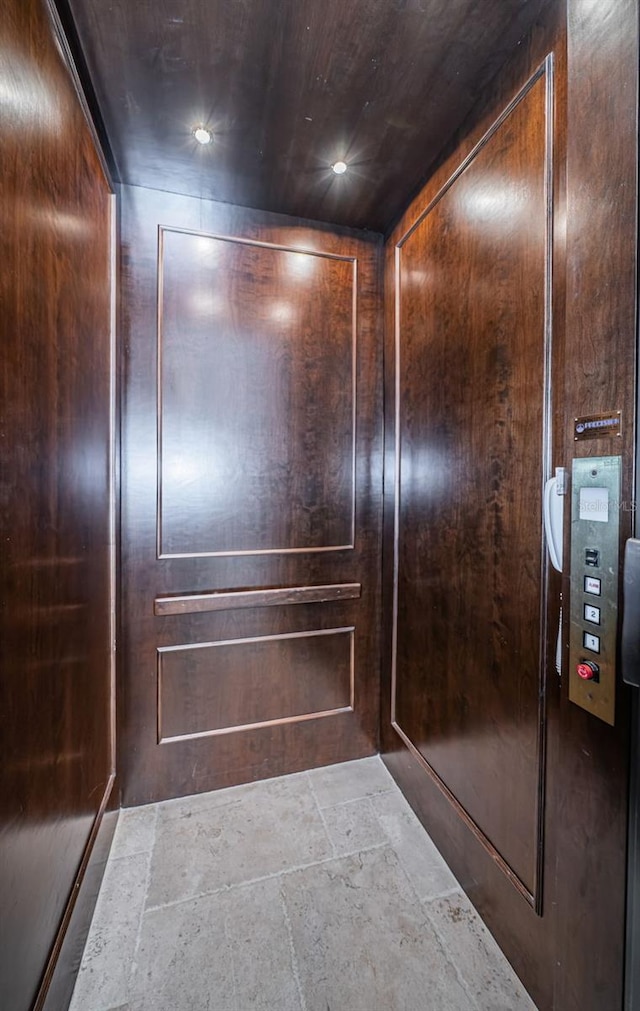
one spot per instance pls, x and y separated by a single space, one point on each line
592 614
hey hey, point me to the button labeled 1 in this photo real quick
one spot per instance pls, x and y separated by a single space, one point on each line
592 614
591 642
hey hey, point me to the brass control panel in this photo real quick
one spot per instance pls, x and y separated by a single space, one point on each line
595 525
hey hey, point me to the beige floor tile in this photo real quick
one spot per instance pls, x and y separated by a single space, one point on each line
225 952
336 784
476 955
257 927
232 836
311 892
363 943
135 832
422 862
104 977
353 826
184 962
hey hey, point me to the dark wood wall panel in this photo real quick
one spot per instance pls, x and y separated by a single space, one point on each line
572 956
601 325
55 496
271 372
250 336
222 687
472 346
473 275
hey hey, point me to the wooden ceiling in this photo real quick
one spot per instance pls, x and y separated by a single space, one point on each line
289 87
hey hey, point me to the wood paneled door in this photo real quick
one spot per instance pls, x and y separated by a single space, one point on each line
251 495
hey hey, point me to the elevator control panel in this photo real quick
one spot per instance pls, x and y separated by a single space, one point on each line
595 526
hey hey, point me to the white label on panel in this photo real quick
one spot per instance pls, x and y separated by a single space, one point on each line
594 504
592 585
592 613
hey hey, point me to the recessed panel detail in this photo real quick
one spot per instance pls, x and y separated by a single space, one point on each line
256 397
472 395
234 685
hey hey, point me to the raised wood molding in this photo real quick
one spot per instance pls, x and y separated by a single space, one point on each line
345 539
188 696
152 771
228 600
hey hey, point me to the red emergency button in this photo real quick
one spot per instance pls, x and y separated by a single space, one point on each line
588 670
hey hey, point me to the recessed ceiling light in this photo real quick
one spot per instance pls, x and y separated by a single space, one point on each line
339 167
202 135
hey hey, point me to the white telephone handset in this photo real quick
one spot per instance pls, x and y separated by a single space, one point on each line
554 491
553 507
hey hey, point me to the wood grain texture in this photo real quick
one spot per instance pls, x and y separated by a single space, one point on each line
233 599
586 797
289 88
225 687
470 699
472 345
257 407
153 771
63 976
55 577
602 162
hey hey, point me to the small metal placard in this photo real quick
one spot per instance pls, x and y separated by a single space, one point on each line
597 426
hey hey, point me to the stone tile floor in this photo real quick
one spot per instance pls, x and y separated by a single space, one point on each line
319 891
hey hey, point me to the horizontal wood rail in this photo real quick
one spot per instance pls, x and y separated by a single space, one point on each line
227 600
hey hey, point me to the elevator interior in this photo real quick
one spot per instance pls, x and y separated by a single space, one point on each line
275 439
